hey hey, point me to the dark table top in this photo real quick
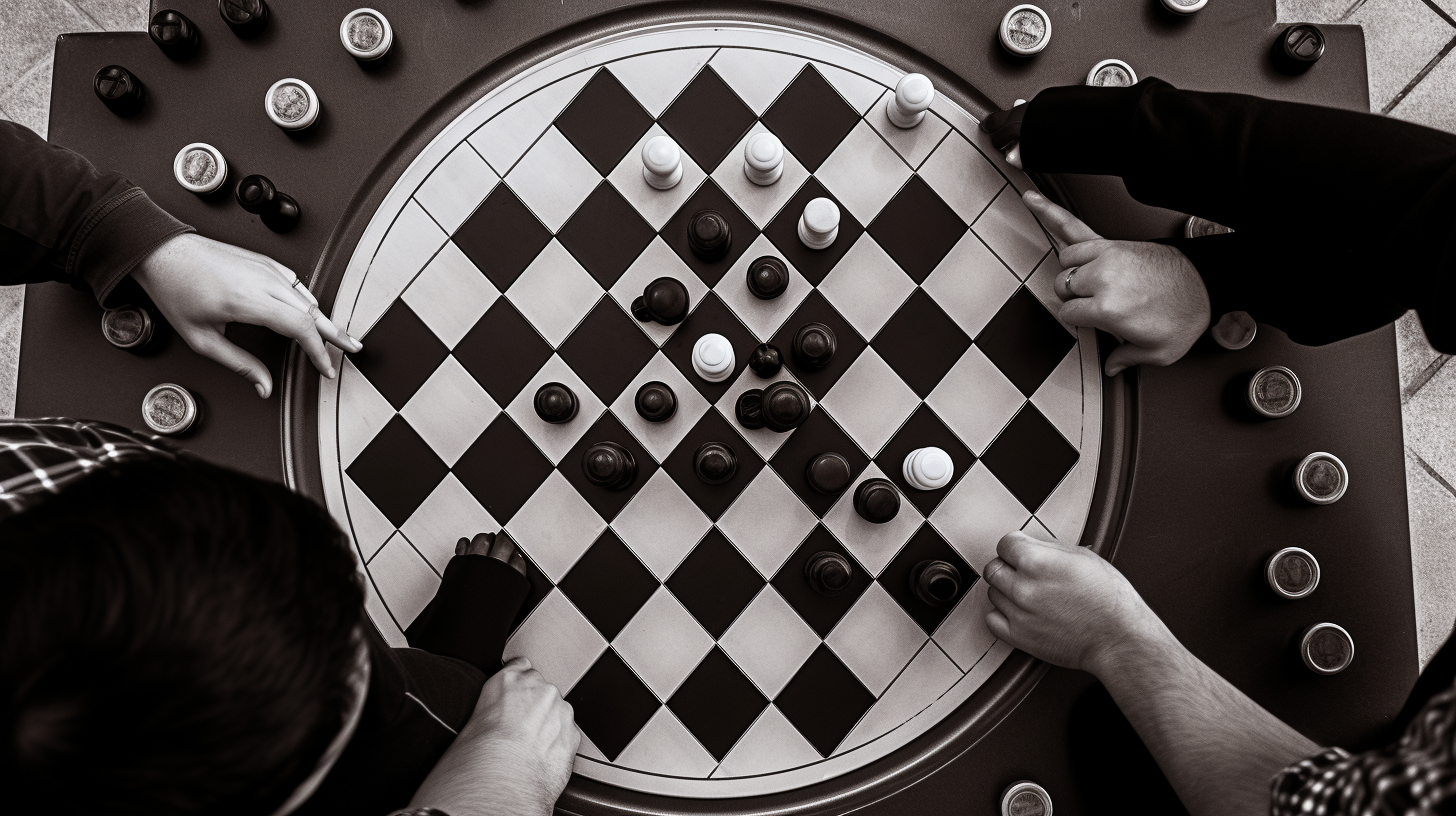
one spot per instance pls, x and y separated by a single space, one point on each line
1204 500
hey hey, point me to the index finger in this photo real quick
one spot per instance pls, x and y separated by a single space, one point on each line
1021 551
1064 227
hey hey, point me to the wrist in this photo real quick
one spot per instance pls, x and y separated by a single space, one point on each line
1144 646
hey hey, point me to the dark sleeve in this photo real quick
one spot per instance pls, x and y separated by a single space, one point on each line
62 219
1357 207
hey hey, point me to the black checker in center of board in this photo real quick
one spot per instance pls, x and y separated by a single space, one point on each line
605 235
1030 457
502 237
502 468
607 503
1025 341
607 350
604 121
824 700
715 583
923 430
819 434
925 545
917 229
709 196
611 704
707 119
397 470
810 118
502 351
821 612
712 316
921 342
849 345
717 703
712 499
608 584
783 231
401 354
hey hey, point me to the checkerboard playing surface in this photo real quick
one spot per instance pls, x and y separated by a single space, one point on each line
674 615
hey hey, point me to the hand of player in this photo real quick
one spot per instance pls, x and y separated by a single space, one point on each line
515 754
1066 605
499 546
202 285
1147 294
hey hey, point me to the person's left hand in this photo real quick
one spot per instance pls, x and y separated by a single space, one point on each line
201 285
499 546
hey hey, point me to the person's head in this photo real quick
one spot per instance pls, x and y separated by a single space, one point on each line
175 637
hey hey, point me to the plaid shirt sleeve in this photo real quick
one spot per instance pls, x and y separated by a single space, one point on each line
40 456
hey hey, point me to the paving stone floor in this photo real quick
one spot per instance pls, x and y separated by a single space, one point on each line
1412 76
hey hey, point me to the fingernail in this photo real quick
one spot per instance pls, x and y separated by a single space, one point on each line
331 373
357 345
261 392
1032 196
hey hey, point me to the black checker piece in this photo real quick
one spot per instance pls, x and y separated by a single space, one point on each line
925 545
608 584
824 700
712 499
717 703
921 342
607 349
709 196
819 434
715 583
1025 341
603 122
707 119
849 345
502 352
611 704
502 468
397 470
607 503
821 612
502 237
605 235
810 118
711 316
917 229
923 430
1030 457
401 354
783 231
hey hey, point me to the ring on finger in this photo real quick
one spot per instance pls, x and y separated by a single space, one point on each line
1068 282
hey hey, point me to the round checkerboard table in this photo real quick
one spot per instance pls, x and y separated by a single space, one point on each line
674 614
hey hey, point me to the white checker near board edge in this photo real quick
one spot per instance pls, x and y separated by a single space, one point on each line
895 669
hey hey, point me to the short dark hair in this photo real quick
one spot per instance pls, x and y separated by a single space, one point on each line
175 637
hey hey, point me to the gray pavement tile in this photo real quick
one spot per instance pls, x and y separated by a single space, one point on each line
1313 11
1429 418
12 306
1401 37
1433 570
1433 102
29 99
116 15
28 30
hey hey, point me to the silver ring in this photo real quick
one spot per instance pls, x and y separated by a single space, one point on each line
296 282
1070 273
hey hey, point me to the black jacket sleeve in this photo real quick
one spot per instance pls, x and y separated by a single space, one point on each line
1342 220
62 219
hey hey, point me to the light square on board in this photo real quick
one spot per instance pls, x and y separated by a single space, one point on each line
975 400
555 440
363 412
963 635
665 746
870 402
767 522
554 293
913 144
657 261
876 639
863 173
656 78
1060 397
456 187
555 526
450 410
411 242
857 90
970 284
363 521
757 76
404 579
654 205
507 136
449 514
962 177
929 675
772 744
661 525
866 286
976 514
873 545
762 317
769 642
553 178
659 438
558 640
1013 233
450 295
662 643
759 202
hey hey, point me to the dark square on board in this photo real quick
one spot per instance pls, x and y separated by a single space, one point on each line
1025 341
707 119
604 121
923 430
502 468
925 545
821 612
607 503
401 353
397 470
848 344
502 237
502 351
824 700
783 231
819 434
712 499
921 342
1030 457
717 703
810 117
917 229
709 196
608 584
713 316
611 704
715 582
607 350
605 235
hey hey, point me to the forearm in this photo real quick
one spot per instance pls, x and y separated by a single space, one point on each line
470 781
1218 748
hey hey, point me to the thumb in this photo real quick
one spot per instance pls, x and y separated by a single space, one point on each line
1127 355
1066 228
211 344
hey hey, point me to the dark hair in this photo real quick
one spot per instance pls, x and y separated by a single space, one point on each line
175 637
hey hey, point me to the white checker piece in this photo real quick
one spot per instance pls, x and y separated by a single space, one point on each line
558 640
762 317
759 202
450 410
875 639
870 402
655 206
555 526
867 286
553 179
554 293
769 642
555 440
659 438
661 525
767 522
664 746
864 173
450 295
448 514
456 187
913 144
971 284
763 440
657 261
657 78
872 545
663 643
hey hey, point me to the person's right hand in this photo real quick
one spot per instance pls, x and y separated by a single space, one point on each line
1147 295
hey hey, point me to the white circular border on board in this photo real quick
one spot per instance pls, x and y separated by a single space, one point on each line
1074 494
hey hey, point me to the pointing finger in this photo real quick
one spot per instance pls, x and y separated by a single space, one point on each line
1064 227
285 319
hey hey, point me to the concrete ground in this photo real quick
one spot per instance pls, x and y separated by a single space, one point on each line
1412 76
